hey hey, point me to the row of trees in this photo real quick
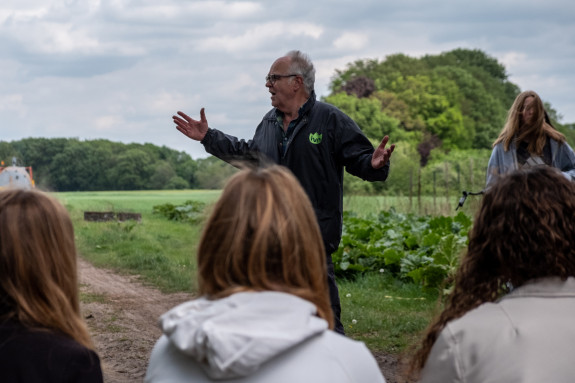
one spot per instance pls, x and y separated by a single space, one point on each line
69 164
442 111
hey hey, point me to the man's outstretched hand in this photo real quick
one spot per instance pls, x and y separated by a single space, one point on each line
194 129
382 155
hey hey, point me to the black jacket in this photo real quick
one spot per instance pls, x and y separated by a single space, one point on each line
324 141
30 355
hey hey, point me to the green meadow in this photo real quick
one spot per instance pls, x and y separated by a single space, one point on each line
385 313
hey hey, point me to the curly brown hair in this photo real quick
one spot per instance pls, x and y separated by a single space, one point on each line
524 229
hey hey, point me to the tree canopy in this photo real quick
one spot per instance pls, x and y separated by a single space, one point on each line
459 97
69 164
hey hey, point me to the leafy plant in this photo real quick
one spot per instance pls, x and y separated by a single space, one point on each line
421 249
190 211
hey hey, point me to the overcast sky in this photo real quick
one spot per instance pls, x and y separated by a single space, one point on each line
119 69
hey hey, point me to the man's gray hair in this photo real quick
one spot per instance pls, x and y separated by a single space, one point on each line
301 64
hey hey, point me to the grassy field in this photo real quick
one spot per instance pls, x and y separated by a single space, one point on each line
363 205
159 250
377 309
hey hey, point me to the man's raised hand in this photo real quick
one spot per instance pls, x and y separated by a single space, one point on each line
382 155
194 129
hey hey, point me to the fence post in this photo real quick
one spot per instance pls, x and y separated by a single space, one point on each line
458 168
410 189
446 183
419 190
472 187
434 193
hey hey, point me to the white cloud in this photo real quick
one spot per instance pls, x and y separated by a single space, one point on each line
12 103
512 59
253 38
12 15
165 102
351 41
108 123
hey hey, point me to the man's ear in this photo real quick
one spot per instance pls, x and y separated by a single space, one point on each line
298 83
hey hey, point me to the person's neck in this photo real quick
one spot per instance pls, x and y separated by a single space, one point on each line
292 113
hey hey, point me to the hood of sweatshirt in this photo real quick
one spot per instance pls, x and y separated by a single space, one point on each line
234 336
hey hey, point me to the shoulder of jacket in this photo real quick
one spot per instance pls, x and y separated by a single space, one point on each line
272 113
324 107
335 341
484 317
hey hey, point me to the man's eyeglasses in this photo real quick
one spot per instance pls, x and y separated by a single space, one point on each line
272 78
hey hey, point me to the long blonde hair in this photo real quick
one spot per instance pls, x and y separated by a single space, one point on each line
534 133
38 274
263 235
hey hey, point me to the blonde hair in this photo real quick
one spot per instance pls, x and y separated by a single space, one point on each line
534 133
38 274
263 235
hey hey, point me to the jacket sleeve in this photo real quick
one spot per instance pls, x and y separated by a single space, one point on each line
442 365
493 167
355 151
566 161
228 148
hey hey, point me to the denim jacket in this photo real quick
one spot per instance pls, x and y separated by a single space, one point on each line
501 161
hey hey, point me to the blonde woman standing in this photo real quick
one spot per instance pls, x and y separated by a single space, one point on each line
528 138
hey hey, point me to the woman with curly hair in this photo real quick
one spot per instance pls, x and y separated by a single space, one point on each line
528 138
43 337
523 236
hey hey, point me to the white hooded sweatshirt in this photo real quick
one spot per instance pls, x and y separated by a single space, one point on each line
267 337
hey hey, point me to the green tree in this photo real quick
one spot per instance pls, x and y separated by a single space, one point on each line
367 114
163 173
132 170
458 91
80 166
177 182
213 173
7 151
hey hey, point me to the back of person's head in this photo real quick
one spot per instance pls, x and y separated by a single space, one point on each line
535 131
263 236
38 274
523 230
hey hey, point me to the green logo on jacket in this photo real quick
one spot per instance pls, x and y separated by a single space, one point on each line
315 138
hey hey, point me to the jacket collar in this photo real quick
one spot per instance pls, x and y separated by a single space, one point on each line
545 287
303 110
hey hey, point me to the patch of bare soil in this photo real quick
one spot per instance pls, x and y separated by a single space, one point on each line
122 315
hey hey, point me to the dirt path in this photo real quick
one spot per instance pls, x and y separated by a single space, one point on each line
122 316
